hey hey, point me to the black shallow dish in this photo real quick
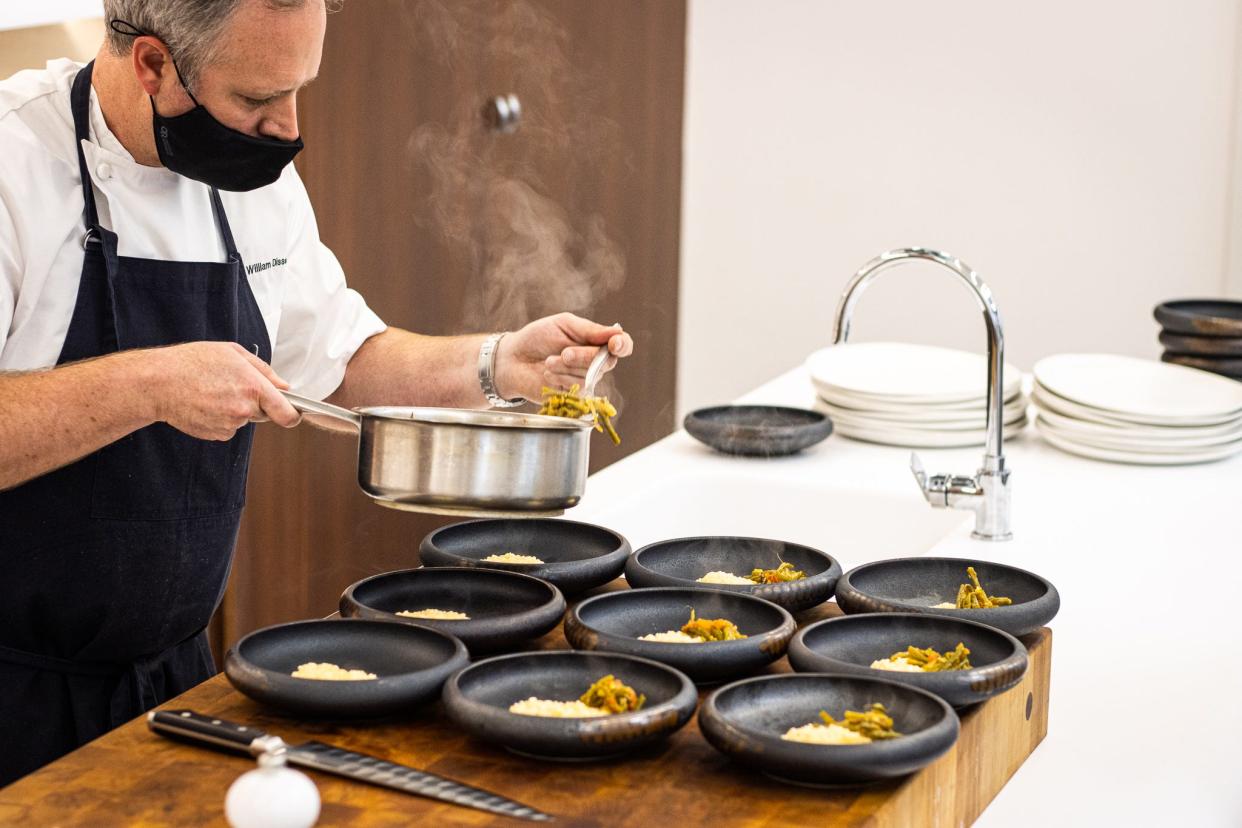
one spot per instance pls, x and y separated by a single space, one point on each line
745 721
916 584
1224 366
1207 346
849 643
681 561
615 620
1201 317
577 556
412 664
477 699
757 430
505 608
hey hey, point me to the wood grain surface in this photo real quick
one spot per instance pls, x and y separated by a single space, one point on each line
133 777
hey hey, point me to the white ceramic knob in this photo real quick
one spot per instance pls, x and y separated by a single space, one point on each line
272 796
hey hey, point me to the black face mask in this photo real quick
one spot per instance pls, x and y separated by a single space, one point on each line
196 145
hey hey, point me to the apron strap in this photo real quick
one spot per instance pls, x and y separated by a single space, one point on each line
53 664
80 105
139 667
223 222
135 693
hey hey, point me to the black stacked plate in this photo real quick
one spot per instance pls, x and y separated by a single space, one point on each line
1202 333
757 430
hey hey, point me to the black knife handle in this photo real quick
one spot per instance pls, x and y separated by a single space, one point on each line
196 727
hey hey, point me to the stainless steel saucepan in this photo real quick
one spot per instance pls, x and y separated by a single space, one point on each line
462 462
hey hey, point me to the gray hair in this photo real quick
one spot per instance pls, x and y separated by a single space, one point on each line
189 28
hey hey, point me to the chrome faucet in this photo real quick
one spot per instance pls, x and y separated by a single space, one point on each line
987 493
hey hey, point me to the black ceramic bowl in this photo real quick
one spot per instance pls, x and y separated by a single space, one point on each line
849 643
1201 317
757 430
614 621
411 663
682 561
505 608
918 584
1207 346
745 721
477 700
1225 366
577 556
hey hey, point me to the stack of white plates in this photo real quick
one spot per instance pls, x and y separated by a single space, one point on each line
910 395
1130 410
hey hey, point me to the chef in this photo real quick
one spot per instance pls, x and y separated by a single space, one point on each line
161 277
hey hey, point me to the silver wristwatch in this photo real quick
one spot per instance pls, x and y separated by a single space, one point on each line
487 374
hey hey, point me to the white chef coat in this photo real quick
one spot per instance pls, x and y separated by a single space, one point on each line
314 321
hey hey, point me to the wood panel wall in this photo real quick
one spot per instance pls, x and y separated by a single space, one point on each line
601 85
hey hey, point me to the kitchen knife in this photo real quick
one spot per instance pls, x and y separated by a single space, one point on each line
206 730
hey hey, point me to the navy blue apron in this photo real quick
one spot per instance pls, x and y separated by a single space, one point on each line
111 567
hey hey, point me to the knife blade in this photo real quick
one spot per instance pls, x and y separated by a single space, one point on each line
218 733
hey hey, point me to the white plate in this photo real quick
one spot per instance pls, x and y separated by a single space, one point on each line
1186 437
1122 442
918 438
929 412
1140 388
1136 458
868 419
906 372
1047 399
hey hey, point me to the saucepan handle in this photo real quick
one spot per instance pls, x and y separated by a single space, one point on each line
309 406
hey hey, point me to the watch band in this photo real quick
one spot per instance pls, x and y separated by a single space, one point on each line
487 374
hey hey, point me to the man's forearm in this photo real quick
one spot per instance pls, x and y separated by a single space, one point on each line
398 367
51 418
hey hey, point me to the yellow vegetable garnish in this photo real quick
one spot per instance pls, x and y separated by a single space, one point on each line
782 574
569 404
610 694
931 661
874 724
972 596
712 629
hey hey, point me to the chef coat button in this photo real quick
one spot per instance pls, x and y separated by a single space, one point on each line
104 171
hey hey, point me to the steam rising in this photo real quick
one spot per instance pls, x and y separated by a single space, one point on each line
528 257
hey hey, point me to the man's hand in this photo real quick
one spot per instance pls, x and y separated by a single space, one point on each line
211 389
555 351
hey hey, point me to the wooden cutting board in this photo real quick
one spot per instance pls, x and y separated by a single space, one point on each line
134 777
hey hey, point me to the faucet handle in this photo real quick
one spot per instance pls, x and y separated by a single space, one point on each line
943 490
916 468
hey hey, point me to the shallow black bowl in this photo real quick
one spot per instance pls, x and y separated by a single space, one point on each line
614 621
917 584
745 721
757 430
1201 317
849 643
680 562
505 608
477 700
577 556
1209 346
412 664
1225 366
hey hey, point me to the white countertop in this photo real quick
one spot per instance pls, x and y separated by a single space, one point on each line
1145 725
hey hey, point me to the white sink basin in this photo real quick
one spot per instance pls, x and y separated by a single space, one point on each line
851 525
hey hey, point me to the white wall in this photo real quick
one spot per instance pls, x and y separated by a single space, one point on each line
1077 155
20 14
